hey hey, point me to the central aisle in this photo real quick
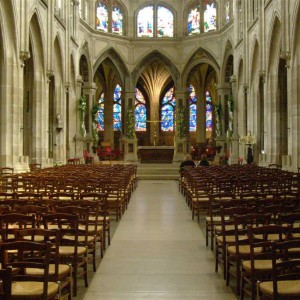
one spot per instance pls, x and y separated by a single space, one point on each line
157 252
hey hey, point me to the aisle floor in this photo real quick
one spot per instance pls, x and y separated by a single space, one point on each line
157 252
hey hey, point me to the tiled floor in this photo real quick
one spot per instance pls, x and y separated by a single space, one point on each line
157 252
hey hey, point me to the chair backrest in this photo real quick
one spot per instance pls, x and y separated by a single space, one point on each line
40 235
285 268
5 277
17 220
26 257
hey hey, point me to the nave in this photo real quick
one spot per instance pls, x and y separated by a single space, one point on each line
157 252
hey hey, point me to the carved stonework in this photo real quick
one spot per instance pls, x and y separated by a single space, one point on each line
24 55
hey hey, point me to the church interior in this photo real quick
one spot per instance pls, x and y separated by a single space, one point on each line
102 100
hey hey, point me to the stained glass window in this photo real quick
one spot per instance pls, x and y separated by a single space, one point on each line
102 16
210 16
140 113
100 114
117 110
117 20
209 110
194 20
193 109
167 111
227 9
145 22
165 22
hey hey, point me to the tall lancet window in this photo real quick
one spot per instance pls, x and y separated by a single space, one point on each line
140 113
168 106
193 109
210 16
209 112
117 110
155 21
100 114
202 17
109 17
194 20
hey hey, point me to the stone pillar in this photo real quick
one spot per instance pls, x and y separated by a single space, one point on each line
201 118
78 137
234 140
182 145
221 140
130 145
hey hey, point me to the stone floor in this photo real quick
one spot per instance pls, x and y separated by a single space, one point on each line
157 252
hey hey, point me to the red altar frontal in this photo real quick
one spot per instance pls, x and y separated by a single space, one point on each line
156 154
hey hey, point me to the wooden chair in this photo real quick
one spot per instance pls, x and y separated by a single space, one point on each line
213 215
70 251
259 265
58 272
6 282
24 285
225 232
6 171
285 284
97 202
240 251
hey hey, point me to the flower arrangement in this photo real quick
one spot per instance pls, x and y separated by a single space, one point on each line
218 116
180 122
230 117
130 125
82 111
248 139
95 135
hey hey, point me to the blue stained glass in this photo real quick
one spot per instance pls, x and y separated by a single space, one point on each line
102 17
210 17
117 20
193 109
140 113
100 114
117 110
165 22
167 111
209 111
194 20
145 22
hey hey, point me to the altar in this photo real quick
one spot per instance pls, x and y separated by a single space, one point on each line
156 154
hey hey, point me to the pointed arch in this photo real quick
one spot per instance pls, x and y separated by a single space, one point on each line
200 56
158 57
36 38
228 63
274 42
111 55
59 55
85 69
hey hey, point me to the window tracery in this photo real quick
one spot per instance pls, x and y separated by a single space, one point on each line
140 113
168 106
155 21
109 17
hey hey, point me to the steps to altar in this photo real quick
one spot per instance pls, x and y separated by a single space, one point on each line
149 171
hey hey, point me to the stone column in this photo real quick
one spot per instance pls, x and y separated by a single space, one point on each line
223 94
234 140
182 145
89 91
130 145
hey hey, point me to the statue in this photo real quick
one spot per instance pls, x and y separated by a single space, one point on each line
59 122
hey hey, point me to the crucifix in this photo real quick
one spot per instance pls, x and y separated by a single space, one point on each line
154 122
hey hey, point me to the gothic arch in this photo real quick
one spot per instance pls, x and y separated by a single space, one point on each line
59 55
117 63
200 56
36 38
10 37
85 69
228 63
274 42
155 56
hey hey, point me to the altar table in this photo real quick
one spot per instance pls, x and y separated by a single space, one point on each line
156 154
